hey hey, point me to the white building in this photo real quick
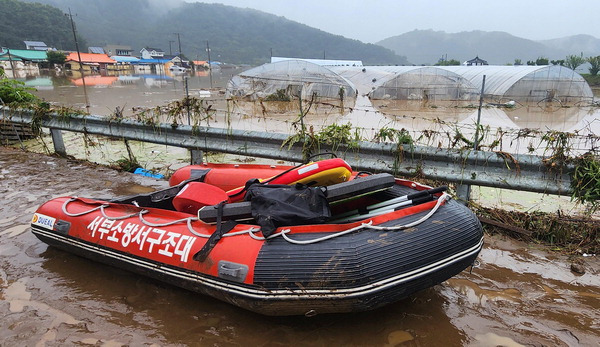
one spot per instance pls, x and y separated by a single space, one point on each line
152 53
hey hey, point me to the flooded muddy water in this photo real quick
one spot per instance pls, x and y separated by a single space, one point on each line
431 123
517 295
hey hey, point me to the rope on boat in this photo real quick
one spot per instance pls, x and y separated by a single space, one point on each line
253 230
368 225
141 213
440 200
64 208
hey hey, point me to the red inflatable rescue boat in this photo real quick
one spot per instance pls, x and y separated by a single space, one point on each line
299 240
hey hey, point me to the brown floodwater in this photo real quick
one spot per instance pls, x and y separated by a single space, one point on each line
432 123
517 295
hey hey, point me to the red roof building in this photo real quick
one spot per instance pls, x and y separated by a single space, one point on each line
88 59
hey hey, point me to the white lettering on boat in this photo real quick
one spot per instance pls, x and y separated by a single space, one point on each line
168 243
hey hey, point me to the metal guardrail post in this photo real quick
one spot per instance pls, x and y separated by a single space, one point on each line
57 140
196 156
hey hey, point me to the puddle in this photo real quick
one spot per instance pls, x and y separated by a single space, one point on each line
14 231
17 296
477 295
491 339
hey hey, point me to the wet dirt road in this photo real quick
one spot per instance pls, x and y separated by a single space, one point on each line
517 296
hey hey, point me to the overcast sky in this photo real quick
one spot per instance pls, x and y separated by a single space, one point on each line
374 20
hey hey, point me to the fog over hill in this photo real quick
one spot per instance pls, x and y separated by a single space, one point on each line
236 35
498 48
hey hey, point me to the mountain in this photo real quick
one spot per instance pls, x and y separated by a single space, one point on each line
498 48
20 21
235 35
576 44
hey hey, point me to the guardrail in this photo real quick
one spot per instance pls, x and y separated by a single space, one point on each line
465 167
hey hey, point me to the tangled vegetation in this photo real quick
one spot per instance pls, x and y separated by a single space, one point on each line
561 233
189 110
586 180
279 95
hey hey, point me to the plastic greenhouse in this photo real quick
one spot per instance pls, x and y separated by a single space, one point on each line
409 83
286 80
527 83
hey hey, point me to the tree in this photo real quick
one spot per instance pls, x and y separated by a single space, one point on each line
13 91
560 62
595 65
55 57
447 62
518 62
20 20
541 61
573 61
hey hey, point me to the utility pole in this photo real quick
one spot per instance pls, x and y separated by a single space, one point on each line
178 41
170 50
87 102
209 64
10 61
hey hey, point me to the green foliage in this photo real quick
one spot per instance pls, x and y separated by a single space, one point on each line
12 91
585 180
592 80
387 134
541 61
126 164
279 95
450 62
335 135
559 145
21 21
573 61
538 62
518 62
595 65
55 57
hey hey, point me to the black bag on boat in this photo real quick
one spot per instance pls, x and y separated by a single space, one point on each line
277 205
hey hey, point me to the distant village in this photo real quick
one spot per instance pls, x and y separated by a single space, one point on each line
110 58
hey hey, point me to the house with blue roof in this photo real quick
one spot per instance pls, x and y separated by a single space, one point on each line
36 46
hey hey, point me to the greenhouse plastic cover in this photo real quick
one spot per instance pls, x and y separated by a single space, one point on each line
294 77
526 83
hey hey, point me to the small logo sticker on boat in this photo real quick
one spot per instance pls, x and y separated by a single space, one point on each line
43 221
